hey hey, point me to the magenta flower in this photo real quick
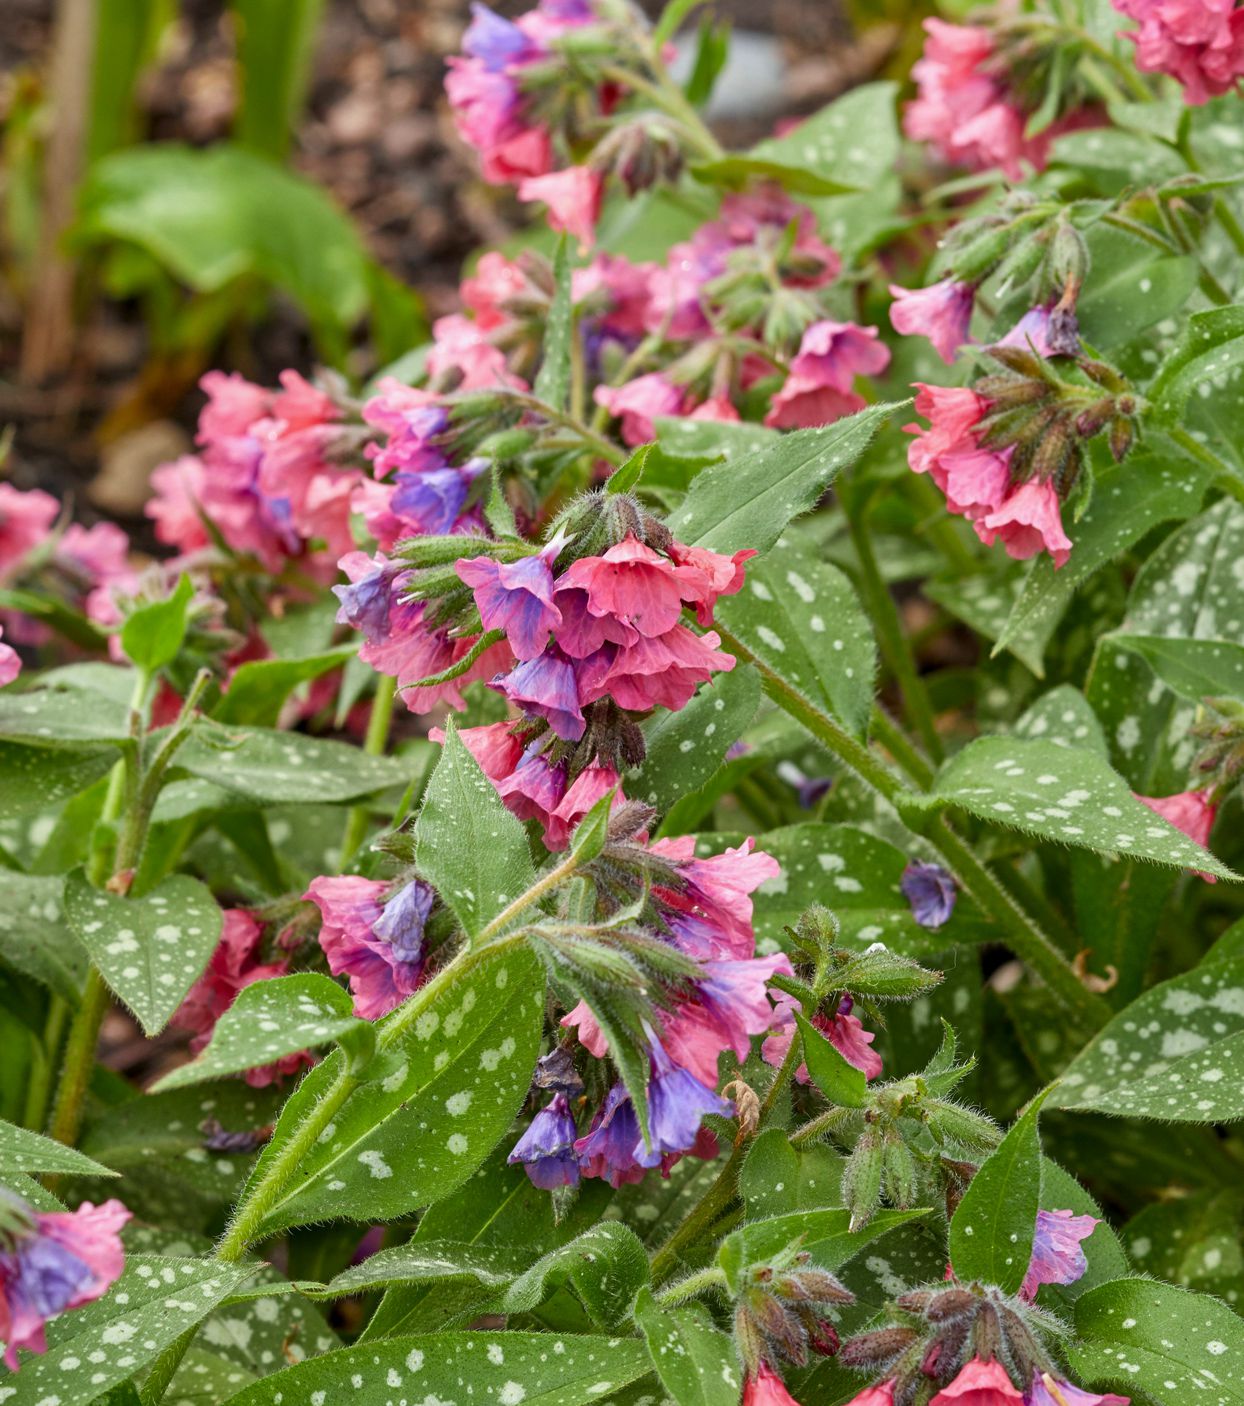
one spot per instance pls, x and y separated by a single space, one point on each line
1193 812
664 671
704 575
379 947
535 788
493 746
1028 521
640 402
10 661
820 387
546 687
1198 42
980 1383
582 634
463 353
766 1388
51 1262
1049 1391
25 521
941 313
516 597
1057 1256
630 582
881 1395
931 892
593 782
547 1149
976 482
842 1029
572 197
731 1004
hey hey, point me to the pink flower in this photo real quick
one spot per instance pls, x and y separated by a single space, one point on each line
1048 1391
594 781
639 402
535 788
664 671
591 1036
25 520
51 1262
704 575
718 890
463 351
730 1005
842 1029
716 407
378 946
976 482
516 597
766 1388
493 746
631 583
10 661
1198 42
940 312
979 1384
494 283
175 505
1056 1254
882 1395
819 388
573 198
1028 521
1190 811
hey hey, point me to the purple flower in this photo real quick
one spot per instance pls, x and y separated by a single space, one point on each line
1057 1256
556 1071
403 918
547 1148
516 597
931 892
547 687
608 1149
431 500
494 41
383 967
676 1103
365 602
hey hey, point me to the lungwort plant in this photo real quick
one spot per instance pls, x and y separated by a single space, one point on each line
652 867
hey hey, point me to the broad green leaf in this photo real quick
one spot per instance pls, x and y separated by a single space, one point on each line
1063 716
708 440
204 1379
505 1367
259 688
103 1343
606 1266
275 768
1173 1345
801 620
1194 669
35 778
840 1082
737 171
1065 794
1196 1240
34 937
1128 501
269 1019
1131 286
32 1154
429 1262
697 1363
153 634
777 1178
60 716
469 846
992 1228
986 600
747 501
438 1101
150 950
1176 1053
553 379
686 748
824 1234
1210 345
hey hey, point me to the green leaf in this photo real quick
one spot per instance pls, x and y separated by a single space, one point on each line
696 1362
1063 716
34 938
32 1154
276 43
1128 501
58 716
801 619
1194 669
469 846
672 17
270 1019
437 1102
592 832
992 1228
839 1081
1176 1053
275 768
553 379
428 1262
103 1343
259 688
150 950
1129 289
1065 794
153 634
824 1234
506 1367
748 500
1196 1240
777 1179
1210 345
734 172
684 749
1173 1345
606 1266
626 476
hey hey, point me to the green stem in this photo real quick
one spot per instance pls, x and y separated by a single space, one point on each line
41 1074
602 446
900 747
374 745
668 98
894 643
529 899
164 1369
1226 479
684 1289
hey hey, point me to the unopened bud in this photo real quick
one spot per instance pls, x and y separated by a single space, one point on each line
861 1179
1122 437
951 1122
898 1171
986 1333
816 1286
950 1303
879 1349
1093 420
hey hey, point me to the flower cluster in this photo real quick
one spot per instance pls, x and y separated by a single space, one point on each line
50 1262
1198 42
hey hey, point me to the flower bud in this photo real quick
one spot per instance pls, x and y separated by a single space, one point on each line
898 1170
861 1179
1122 437
877 1350
950 1303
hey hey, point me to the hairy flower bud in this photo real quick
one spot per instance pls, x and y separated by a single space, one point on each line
861 1179
877 1350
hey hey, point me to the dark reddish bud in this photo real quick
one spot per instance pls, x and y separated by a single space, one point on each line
1122 437
916 1300
986 1333
878 1349
950 1303
823 1338
928 1363
1093 420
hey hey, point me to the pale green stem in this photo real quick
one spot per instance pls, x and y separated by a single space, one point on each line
375 744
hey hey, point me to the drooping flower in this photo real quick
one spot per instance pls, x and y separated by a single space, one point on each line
630 582
940 312
1057 1255
766 1388
1193 812
980 1383
378 946
677 1101
608 1148
546 687
51 1262
820 387
931 892
547 1149
1050 1391
1198 42
664 671
842 1029
639 403
516 597
880 1395
1028 521
572 197
25 521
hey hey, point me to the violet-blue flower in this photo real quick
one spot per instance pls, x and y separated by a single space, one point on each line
547 1149
931 892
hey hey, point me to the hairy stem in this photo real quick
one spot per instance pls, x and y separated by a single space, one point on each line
684 1289
375 744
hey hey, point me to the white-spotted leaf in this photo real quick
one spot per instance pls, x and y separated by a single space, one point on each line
28 1153
696 1362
